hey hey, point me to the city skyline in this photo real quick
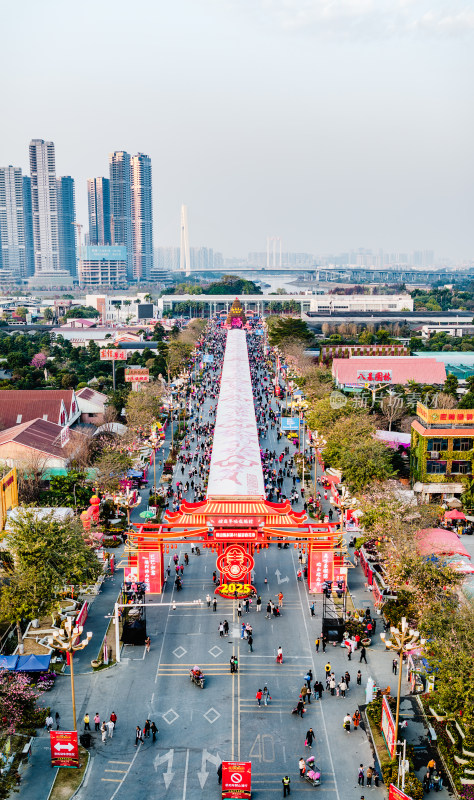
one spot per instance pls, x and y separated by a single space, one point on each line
327 124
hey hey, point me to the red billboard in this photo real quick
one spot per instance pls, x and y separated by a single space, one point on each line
321 568
388 728
236 779
397 794
64 749
113 355
150 570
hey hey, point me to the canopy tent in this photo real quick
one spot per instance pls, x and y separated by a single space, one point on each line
8 662
438 541
33 663
454 514
134 473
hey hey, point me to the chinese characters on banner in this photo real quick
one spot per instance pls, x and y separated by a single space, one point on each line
236 779
388 728
64 749
321 568
373 376
137 374
113 355
150 570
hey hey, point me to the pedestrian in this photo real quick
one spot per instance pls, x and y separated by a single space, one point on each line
97 721
87 726
431 766
360 775
219 774
327 669
356 719
311 608
221 629
259 603
259 696
332 686
239 610
300 707
347 723
57 718
308 678
247 605
394 666
147 644
309 737
279 658
208 600
359 677
138 735
110 728
226 628
269 611
214 605
319 688
280 599
368 774
347 678
302 767
266 695
286 785
304 693
154 731
362 655
146 729
316 644
250 641
103 730
49 722
343 687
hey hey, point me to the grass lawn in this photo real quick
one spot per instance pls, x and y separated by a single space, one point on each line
68 780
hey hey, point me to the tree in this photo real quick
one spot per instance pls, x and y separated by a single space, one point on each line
392 408
280 329
38 361
70 490
20 312
111 467
48 314
143 408
46 553
451 385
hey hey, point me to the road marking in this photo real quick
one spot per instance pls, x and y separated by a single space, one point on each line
116 770
186 775
113 780
119 762
168 757
212 713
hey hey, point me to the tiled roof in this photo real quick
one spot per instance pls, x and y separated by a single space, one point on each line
92 396
38 434
21 405
421 370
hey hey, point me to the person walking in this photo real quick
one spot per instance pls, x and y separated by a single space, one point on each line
221 629
219 774
368 775
113 718
362 655
286 785
147 644
300 707
226 628
347 678
324 642
154 731
327 669
103 731
269 611
110 728
259 603
302 767
146 729
259 696
311 608
49 722
347 723
356 719
239 610
308 678
316 644
97 721
359 677
309 737
138 735
87 726
280 599
360 775
208 600
214 605
304 693
250 641
394 666
266 695
332 686
279 658
319 688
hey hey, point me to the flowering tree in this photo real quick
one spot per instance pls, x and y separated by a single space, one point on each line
17 700
38 360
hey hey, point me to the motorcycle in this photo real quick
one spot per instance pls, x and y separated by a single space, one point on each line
197 678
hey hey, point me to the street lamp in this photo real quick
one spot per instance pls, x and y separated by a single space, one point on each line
66 640
318 442
345 502
402 641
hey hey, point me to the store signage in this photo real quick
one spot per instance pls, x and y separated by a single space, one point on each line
64 749
236 779
137 375
235 522
388 728
431 415
374 376
396 794
113 355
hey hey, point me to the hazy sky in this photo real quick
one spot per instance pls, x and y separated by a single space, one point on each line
329 123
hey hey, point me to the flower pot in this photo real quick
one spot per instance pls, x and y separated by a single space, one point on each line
95 663
366 642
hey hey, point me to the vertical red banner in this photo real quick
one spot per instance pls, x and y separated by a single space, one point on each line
236 779
321 568
64 749
150 570
396 794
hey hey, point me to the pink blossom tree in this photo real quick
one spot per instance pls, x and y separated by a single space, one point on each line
38 360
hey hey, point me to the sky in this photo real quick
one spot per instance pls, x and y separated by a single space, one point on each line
333 124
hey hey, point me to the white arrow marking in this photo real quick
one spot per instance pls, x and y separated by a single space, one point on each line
67 746
281 580
203 775
168 775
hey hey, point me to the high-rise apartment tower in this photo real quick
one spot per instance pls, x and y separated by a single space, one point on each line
142 216
121 205
98 198
12 228
66 220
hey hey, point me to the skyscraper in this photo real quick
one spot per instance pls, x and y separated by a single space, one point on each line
142 218
12 229
28 220
45 207
120 204
66 220
98 198
184 258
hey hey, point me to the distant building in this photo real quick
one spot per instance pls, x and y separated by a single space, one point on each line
40 444
28 221
22 405
121 204
98 201
44 198
442 451
92 406
142 216
66 220
12 223
123 308
389 370
167 259
103 266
